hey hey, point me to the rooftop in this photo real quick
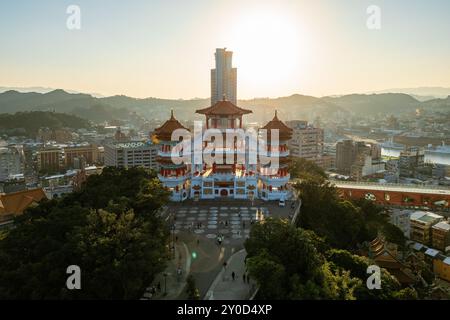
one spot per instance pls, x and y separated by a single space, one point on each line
277 124
426 217
223 108
17 202
130 144
392 187
165 131
443 225
432 252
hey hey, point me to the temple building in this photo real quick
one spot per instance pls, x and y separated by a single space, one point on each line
236 170
274 183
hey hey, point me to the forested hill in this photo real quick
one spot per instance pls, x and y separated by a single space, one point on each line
28 123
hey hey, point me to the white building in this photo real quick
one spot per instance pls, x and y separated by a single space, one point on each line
11 162
401 219
131 154
223 78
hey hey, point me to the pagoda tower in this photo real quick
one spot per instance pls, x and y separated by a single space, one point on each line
225 179
273 182
173 176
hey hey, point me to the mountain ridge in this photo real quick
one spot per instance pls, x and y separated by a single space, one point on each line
289 107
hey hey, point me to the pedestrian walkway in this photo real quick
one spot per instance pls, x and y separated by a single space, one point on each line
225 288
171 282
232 221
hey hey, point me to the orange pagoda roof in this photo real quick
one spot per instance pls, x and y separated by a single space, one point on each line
276 123
224 108
165 131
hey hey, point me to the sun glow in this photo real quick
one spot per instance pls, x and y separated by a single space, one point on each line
271 49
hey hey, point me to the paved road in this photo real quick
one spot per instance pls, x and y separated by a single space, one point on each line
225 287
197 224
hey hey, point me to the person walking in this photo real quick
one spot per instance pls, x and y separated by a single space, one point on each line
233 275
243 277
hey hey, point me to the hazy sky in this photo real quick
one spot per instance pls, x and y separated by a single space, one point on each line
166 48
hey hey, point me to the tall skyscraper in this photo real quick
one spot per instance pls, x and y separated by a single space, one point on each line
223 77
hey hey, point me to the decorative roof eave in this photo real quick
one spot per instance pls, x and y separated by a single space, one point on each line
223 107
168 127
276 123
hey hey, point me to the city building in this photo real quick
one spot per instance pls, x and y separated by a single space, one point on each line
344 156
307 143
131 154
50 159
365 165
326 161
439 262
410 161
223 77
401 219
11 162
421 226
234 176
75 155
441 235
358 159
441 267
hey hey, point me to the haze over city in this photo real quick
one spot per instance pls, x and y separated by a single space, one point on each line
163 48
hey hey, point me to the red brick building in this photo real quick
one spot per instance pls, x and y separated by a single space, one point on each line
396 194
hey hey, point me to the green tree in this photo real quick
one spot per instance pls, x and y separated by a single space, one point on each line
300 168
111 229
357 267
286 264
119 254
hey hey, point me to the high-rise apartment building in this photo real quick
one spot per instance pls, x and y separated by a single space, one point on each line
358 158
223 78
50 159
306 141
11 161
74 154
344 156
410 160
